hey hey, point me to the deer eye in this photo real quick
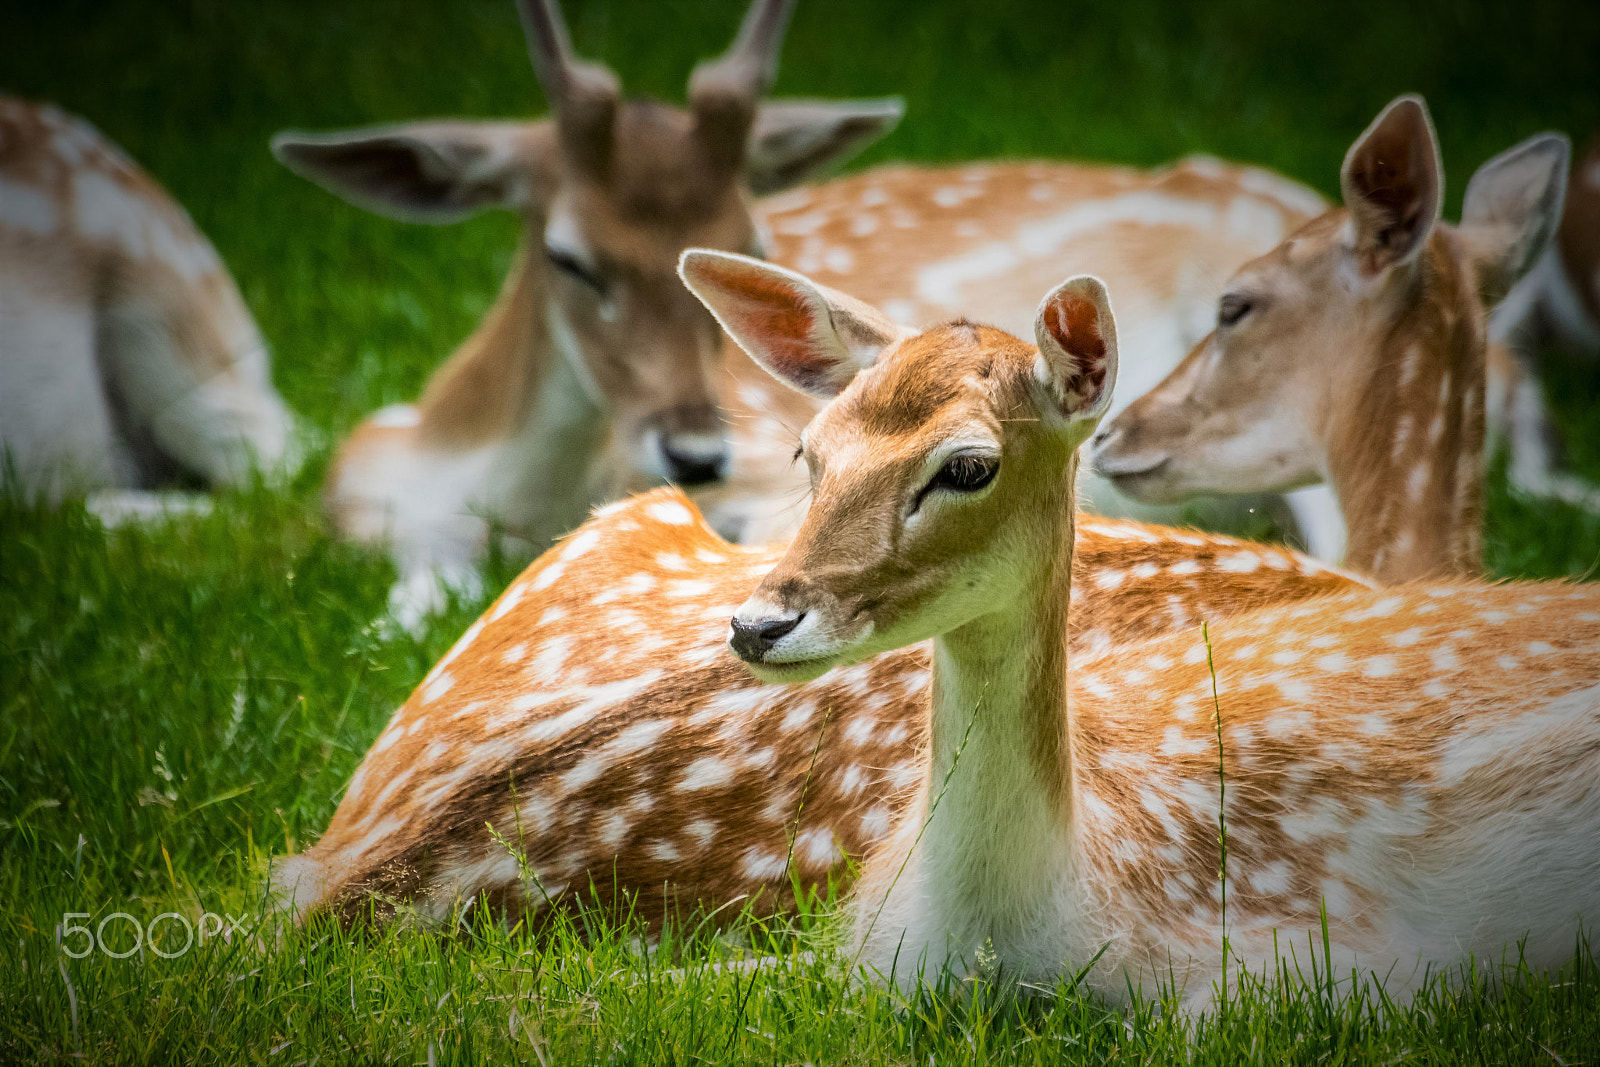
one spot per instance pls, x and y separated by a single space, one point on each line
1232 309
966 472
573 267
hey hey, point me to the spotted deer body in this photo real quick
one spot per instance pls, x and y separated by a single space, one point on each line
127 356
596 719
1355 354
594 370
1417 767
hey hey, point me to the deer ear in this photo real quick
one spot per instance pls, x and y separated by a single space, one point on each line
1393 184
804 334
1513 205
433 172
793 141
1077 363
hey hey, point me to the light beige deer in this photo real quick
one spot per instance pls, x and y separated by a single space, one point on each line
1354 354
1559 301
1419 765
594 719
127 355
595 367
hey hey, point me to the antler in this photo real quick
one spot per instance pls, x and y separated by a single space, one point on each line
724 91
583 95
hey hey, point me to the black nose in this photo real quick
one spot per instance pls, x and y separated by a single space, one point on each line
693 466
753 640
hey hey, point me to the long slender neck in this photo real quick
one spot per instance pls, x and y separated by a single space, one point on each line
1001 761
510 385
1406 451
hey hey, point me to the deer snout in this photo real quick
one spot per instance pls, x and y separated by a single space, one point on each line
694 458
1115 453
686 444
753 638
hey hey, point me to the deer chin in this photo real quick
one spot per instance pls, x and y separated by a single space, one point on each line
1146 476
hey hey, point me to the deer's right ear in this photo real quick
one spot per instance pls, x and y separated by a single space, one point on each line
1076 368
1393 183
804 334
432 172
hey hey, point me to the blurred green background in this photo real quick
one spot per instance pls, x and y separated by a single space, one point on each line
175 703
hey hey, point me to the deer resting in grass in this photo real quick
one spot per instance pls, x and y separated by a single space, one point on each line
128 359
1421 765
1355 354
595 368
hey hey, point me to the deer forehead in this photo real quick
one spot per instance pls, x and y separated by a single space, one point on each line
954 380
658 171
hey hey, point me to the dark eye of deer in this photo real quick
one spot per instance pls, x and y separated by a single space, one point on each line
965 473
575 268
1232 309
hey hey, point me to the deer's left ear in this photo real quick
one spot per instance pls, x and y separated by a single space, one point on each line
1077 363
1393 183
1513 205
794 141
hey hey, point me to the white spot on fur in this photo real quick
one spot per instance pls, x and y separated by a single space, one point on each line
437 688
671 512
708 772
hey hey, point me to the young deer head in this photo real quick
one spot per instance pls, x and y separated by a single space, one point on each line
612 190
1409 773
1354 353
936 451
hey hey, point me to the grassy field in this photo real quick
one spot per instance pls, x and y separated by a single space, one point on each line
178 703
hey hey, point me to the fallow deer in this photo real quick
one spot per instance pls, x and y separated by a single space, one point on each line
1411 774
594 720
1558 301
127 355
594 367
1354 354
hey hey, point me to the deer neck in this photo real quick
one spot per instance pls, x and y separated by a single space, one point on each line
1000 758
511 386
1406 451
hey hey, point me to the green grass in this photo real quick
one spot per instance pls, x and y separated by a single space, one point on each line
177 703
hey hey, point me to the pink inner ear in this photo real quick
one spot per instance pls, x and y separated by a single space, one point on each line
777 323
1074 322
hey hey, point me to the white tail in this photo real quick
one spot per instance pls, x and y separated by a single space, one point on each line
127 355
1355 354
1415 764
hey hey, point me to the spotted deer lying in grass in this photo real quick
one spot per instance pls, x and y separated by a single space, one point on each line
1420 765
594 367
1558 301
127 357
593 729
1354 354
595 718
